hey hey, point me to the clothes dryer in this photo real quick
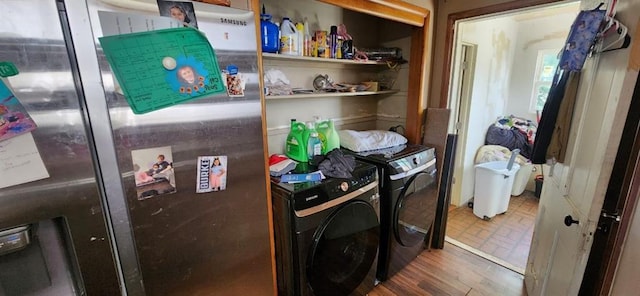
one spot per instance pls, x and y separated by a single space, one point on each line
408 201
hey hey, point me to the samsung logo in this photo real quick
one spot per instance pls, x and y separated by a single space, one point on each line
233 22
311 198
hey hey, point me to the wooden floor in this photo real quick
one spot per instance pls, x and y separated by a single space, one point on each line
452 271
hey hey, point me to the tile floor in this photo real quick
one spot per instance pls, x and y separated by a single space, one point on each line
506 237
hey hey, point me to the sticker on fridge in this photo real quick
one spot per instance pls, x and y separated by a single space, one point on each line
180 11
153 171
212 174
234 81
14 119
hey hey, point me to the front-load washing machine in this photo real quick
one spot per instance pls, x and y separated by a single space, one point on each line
327 234
408 201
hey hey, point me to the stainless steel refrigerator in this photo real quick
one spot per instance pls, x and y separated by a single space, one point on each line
90 223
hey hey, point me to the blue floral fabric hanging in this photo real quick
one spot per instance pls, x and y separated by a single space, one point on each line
580 41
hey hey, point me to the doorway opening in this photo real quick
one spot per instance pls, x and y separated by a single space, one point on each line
497 80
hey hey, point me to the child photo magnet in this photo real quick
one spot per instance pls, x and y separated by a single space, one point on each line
180 11
234 81
153 170
212 174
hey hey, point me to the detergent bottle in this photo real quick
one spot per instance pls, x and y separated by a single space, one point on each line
269 33
328 135
288 37
314 145
295 147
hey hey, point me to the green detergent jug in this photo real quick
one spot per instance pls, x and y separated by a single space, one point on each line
296 147
328 135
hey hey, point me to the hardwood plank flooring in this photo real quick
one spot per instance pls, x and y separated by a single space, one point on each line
452 271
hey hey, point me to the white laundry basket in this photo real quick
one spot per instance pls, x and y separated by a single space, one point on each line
489 153
492 189
521 179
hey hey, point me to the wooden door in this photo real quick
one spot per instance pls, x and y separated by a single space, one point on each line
575 190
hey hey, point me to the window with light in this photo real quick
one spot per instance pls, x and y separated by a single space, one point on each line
545 69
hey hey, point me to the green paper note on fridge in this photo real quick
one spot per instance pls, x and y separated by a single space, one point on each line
161 68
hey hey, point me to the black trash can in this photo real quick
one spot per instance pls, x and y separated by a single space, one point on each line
539 180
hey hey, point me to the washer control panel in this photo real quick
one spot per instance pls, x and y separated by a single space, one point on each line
408 163
311 194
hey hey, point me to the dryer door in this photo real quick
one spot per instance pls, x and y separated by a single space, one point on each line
415 209
344 249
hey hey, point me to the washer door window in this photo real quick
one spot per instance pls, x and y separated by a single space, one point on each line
344 249
415 209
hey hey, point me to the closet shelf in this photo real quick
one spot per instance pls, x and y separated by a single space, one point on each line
332 94
275 56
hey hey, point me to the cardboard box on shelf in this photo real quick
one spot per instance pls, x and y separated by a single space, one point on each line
373 85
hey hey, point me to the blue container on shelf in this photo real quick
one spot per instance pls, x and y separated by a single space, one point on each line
269 33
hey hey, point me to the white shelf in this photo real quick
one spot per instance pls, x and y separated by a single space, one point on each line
332 94
275 56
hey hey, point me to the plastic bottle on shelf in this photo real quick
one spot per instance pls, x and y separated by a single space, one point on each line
328 135
307 41
270 34
300 38
333 42
288 37
279 35
314 145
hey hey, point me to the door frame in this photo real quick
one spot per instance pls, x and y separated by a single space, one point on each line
482 11
464 93
631 188
602 266
450 41
621 198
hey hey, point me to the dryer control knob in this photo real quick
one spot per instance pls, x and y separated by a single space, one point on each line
344 186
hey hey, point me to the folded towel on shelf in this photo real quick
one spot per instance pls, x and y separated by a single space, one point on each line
280 165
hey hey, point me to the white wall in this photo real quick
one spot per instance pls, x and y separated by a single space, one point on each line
496 41
360 112
392 109
533 35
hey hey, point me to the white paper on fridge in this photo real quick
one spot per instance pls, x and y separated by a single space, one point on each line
116 23
20 161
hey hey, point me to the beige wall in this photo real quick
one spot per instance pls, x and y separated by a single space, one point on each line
446 7
241 4
360 113
495 40
428 64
